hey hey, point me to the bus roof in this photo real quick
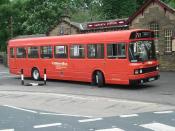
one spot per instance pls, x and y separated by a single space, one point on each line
114 36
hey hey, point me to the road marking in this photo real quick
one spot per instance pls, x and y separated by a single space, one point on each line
131 115
8 130
55 114
158 127
47 125
163 112
18 108
90 120
111 129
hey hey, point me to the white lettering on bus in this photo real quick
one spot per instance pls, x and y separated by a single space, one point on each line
60 65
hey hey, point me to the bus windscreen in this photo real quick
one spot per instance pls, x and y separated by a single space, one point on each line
140 51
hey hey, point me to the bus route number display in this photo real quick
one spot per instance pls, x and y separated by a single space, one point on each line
142 34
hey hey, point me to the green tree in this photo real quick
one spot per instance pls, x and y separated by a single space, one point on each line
139 3
85 10
38 15
118 8
172 3
5 23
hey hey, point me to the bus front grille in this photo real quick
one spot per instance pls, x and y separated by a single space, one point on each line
149 69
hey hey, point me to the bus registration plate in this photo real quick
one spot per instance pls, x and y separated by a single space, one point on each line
151 79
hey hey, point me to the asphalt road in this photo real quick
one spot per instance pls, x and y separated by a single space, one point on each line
160 91
20 119
77 106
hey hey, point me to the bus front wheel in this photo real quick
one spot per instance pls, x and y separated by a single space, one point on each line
35 74
99 79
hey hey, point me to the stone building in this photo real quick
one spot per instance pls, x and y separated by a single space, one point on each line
159 17
153 14
67 27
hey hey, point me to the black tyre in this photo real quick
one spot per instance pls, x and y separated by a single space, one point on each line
35 74
99 79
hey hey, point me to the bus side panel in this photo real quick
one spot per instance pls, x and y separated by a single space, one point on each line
61 68
12 63
46 64
21 64
78 69
117 71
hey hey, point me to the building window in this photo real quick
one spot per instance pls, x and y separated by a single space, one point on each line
116 51
95 51
33 52
168 40
155 27
77 51
61 51
61 31
46 52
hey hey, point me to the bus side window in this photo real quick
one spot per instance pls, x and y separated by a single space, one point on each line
12 53
61 51
95 51
21 52
77 51
116 51
33 52
46 52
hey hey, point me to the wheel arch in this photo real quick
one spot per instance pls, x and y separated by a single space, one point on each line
94 72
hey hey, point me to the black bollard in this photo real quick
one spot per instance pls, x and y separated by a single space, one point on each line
45 77
22 77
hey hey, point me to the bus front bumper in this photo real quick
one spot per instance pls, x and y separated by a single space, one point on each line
143 80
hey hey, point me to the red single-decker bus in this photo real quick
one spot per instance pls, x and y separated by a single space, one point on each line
118 57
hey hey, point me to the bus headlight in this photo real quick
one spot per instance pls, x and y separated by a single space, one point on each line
157 68
138 71
141 71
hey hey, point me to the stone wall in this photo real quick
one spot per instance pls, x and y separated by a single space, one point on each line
166 20
66 28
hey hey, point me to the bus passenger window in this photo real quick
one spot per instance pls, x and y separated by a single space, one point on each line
33 52
77 51
116 51
61 51
95 51
46 52
21 52
12 53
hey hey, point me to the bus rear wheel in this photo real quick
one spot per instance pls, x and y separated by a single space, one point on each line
98 79
35 74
